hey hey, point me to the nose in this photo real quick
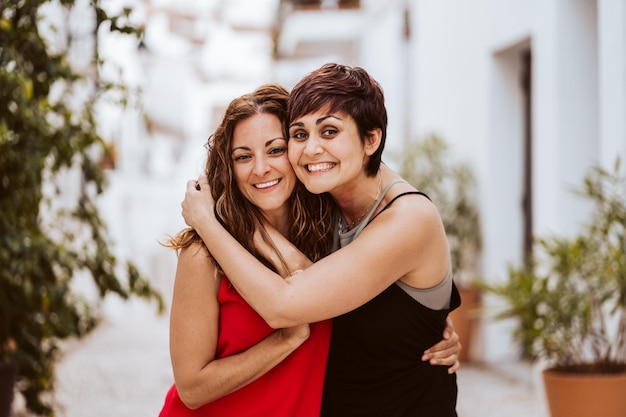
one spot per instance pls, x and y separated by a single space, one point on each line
313 145
261 166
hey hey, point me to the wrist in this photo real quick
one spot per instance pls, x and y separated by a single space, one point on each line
205 225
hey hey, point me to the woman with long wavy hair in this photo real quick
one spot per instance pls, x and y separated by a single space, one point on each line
226 359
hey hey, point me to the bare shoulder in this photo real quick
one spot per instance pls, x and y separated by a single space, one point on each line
412 206
195 252
196 267
423 241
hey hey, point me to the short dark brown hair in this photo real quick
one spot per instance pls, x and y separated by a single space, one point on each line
349 90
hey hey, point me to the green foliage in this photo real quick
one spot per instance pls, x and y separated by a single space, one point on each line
451 185
44 248
571 307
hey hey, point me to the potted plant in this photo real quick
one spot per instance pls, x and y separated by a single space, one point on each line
451 185
571 305
50 240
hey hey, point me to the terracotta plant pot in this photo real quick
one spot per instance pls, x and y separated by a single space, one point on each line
464 319
585 395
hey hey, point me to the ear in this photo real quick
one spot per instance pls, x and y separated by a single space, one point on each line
372 141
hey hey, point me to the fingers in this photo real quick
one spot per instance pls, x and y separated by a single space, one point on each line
444 348
449 330
202 180
454 367
198 184
453 337
192 185
451 361
443 357
445 353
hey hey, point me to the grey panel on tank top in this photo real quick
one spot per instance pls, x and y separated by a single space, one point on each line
435 298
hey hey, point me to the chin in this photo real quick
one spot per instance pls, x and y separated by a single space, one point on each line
316 183
316 188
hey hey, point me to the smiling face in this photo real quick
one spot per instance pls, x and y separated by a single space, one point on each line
262 170
340 89
326 151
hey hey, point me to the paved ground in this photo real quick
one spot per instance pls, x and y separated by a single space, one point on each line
123 370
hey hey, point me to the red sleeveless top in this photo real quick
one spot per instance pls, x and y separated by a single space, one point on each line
292 388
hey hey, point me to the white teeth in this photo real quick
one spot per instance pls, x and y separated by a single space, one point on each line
266 184
320 167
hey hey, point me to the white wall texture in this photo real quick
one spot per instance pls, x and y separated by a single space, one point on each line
468 59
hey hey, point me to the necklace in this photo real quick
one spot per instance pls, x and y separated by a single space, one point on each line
367 210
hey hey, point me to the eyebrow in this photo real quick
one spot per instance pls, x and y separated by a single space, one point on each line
267 143
317 122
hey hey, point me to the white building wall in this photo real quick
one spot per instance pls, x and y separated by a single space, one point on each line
612 79
467 59
384 55
572 76
449 73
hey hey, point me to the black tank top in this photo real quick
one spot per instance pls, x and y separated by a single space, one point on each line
374 365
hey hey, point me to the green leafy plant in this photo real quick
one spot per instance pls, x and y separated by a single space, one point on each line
49 141
571 305
451 185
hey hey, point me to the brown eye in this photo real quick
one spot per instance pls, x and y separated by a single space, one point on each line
329 131
277 151
298 135
241 157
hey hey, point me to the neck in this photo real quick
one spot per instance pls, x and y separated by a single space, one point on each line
361 200
279 222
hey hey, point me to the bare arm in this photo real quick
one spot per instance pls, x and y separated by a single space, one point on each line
338 283
444 353
296 261
200 377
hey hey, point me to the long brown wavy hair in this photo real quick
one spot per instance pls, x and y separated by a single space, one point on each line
311 216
